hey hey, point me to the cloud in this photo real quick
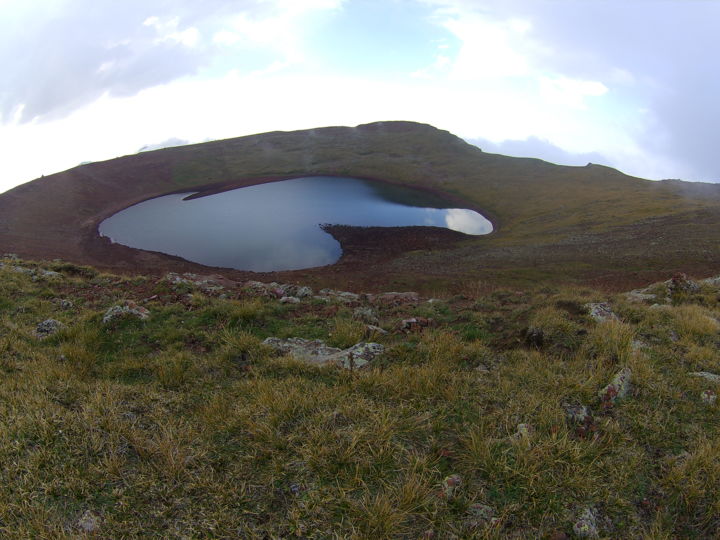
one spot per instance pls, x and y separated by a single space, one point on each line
63 54
168 143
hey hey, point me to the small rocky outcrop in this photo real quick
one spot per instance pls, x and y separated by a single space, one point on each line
316 352
127 309
617 389
601 312
48 327
207 283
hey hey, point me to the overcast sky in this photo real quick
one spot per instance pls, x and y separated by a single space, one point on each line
629 83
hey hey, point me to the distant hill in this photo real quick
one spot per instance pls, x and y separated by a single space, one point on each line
588 224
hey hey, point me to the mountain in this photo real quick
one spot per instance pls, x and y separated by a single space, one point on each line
589 224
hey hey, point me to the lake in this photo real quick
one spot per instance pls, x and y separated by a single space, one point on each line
276 226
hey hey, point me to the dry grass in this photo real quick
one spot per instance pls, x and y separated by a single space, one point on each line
184 425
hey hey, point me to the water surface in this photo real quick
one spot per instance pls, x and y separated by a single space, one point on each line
276 226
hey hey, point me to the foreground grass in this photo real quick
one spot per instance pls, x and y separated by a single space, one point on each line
185 425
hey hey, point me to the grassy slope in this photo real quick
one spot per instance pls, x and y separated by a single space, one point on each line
185 426
532 202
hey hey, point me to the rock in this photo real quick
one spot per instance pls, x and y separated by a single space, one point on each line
11 256
601 312
89 522
680 283
372 329
128 308
523 431
586 525
708 397
618 387
706 375
23 270
415 324
712 281
479 515
304 292
394 298
48 327
346 297
50 274
360 355
451 486
207 283
640 295
316 352
638 345
366 314
580 417
482 368
535 337
289 300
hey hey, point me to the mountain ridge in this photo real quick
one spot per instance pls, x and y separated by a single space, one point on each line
531 203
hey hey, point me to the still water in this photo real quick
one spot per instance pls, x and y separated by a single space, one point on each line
276 226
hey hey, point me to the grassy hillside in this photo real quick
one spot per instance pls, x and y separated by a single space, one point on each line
183 424
584 224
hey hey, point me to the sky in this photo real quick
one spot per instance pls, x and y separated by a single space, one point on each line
627 83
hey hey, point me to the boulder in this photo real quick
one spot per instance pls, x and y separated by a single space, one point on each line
342 296
289 300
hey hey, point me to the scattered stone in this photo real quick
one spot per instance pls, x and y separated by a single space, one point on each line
601 312
586 525
709 397
11 256
128 308
48 327
706 375
63 303
289 300
316 352
638 345
366 314
89 522
482 368
415 324
618 387
674 337
394 298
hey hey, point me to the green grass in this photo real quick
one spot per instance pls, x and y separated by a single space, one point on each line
185 425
